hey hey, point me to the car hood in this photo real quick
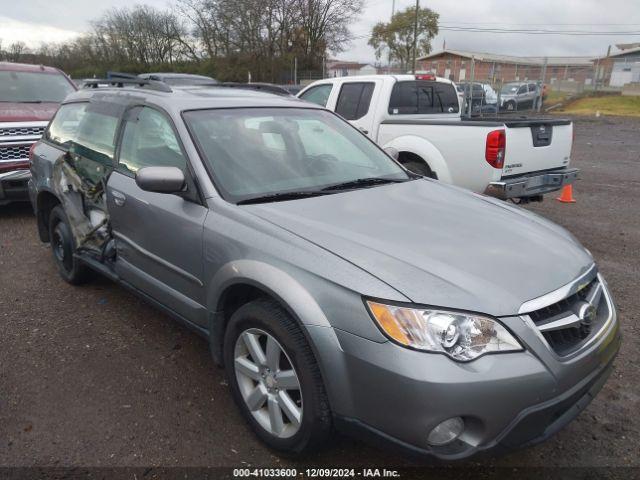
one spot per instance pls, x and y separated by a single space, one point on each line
27 112
438 245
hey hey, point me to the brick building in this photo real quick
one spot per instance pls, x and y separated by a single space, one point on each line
456 65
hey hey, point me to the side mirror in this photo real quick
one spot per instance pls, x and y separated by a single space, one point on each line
161 179
392 152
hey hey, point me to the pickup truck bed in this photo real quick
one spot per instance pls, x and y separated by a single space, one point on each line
531 167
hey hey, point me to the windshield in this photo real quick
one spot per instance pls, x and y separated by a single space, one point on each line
263 151
509 88
23 87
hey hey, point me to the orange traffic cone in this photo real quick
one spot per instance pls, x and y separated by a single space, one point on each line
566 196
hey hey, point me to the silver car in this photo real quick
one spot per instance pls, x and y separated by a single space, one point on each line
338 289
519 96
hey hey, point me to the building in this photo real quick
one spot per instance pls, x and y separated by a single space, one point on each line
349 69
456 65
624 67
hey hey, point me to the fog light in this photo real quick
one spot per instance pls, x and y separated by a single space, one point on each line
446 432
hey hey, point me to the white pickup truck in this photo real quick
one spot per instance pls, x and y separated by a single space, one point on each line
418 118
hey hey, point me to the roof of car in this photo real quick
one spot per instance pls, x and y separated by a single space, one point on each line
192 97
25 67
174 75
364 78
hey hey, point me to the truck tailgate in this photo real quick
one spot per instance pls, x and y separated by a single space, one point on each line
538 144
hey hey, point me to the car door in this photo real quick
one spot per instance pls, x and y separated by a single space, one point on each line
522 97
159 236
533 94
353 104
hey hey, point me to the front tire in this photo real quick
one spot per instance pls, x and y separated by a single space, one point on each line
275 379
63 246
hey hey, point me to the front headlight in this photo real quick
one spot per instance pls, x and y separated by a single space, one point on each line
462 336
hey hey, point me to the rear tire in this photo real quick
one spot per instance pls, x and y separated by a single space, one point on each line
416 165
63 246
259 389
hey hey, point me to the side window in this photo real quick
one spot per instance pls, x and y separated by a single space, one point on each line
522 90
318 94
96 138
64 127
533 87
149 141
354 99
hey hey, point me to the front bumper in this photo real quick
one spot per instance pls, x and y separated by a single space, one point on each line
532 185
507 400
534 425
14 186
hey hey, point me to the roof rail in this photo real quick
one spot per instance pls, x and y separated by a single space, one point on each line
263 87
122 82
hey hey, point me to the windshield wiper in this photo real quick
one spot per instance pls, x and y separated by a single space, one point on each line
362 182
280 197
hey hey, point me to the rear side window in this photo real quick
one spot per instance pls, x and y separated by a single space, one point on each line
423 97
354 99
318 94
64 127
96 134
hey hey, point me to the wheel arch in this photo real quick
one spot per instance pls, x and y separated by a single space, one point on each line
424 150
240 282
46 201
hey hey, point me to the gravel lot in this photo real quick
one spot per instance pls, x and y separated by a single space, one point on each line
93 376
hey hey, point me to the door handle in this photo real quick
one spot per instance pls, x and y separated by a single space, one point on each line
364 130
118 198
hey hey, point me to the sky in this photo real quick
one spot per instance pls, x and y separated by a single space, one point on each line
37 21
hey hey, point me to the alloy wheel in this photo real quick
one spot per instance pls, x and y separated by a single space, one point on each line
268 382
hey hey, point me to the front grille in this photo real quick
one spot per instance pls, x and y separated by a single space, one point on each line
21 131
564 324
14 152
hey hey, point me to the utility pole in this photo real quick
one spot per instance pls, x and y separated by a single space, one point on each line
415 36
544 79
295 70
393 8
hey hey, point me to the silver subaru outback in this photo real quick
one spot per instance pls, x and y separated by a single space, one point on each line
338 289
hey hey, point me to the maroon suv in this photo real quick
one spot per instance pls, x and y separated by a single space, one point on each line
29 96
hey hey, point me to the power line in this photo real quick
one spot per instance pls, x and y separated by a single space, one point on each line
538 31
542 24
526 32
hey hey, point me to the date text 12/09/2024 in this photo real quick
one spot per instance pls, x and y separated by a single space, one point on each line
315 473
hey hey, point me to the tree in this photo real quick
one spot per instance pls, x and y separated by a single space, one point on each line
396 36
16 50
267 34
